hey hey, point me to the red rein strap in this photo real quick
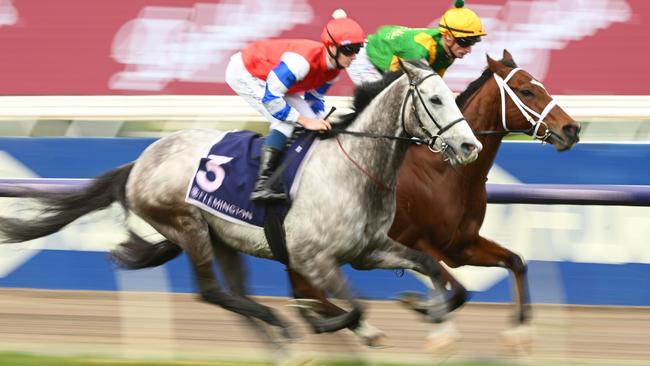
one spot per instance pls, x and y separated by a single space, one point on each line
374 179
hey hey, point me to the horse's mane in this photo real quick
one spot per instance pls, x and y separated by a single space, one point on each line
366 92
462 98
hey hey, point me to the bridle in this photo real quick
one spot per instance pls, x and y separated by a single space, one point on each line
526 111
431 137
430 142
413 90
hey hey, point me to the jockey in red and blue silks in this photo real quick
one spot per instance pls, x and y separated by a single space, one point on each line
286 80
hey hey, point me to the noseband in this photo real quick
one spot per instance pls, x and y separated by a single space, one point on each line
430 142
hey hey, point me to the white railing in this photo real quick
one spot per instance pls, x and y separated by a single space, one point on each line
234 109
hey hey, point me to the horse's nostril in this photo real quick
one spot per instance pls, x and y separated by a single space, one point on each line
571 130
468 148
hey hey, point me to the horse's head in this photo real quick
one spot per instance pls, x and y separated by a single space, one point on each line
529 107
429 112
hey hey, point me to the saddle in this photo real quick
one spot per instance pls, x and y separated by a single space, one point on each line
225 178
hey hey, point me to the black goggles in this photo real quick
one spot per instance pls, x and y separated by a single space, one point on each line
350 49
467 41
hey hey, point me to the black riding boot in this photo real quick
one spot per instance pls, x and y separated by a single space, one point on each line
269 160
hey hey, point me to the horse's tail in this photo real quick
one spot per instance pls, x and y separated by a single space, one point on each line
138 253
63 207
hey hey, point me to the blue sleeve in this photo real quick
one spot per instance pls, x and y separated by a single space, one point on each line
316 99
291 69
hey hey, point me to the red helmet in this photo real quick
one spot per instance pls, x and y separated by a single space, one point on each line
342 31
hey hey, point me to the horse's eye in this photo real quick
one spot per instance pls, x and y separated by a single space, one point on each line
436 100
527 93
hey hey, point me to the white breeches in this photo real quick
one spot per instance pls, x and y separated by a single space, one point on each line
252 90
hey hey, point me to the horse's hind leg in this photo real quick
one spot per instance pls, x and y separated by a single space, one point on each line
190 231
233 270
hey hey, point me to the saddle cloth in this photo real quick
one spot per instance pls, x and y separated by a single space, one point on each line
225 178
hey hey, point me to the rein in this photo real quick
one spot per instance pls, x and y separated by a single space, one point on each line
413 90
377 181
414 140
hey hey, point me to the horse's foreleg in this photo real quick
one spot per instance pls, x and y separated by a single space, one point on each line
319 304
211 293
322 274
459 294
418 303
486 253
393 255
304 290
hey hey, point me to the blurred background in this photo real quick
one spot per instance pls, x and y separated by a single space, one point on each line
87 85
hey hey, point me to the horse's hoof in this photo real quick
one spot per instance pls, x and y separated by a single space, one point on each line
371 336
519 338
442 338
288 334
377 342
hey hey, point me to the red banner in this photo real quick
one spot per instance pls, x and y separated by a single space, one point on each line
69 47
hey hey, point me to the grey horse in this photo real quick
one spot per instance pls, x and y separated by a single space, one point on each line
338 214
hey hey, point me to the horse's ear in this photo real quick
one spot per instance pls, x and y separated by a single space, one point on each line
493 64
507 57
408 69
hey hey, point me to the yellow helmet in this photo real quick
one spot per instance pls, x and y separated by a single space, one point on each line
461 22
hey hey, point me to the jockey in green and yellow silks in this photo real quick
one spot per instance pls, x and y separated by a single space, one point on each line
393 42
459 29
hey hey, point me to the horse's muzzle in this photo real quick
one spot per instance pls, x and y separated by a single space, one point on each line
567 138
466 153
469 152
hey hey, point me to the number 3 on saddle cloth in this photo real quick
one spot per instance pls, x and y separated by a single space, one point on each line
225 179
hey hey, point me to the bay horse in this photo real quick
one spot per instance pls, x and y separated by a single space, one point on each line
416 106
440 208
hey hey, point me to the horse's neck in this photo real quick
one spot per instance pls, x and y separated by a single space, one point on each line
482 112
381 117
